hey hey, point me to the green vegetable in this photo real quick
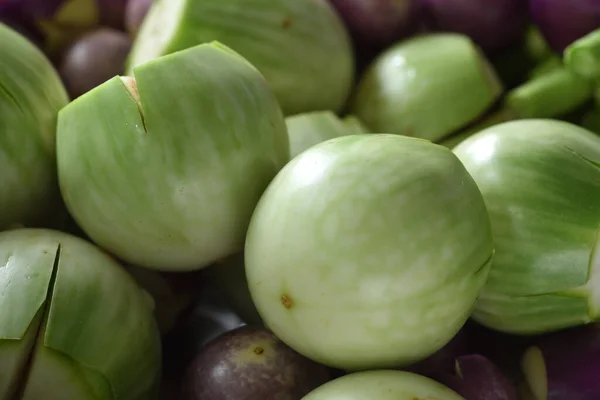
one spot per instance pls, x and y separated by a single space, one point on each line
31 95
427 87
164 171
381 237
583 56
541 184
73 323
382 385
306 130
550 94
300 46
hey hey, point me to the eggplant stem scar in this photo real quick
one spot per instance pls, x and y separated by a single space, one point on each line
287 301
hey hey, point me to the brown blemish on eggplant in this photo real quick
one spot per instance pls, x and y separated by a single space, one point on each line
287 301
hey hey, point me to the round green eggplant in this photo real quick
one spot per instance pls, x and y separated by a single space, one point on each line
369 251
541 184
383 385
164 170
300 46
73 323
31 94
428 86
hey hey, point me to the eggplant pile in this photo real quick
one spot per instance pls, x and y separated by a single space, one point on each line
299 199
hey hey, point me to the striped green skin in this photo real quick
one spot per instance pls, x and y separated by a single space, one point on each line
427 87
97 338
31 94
308 129
300 46
541 183
369 251
172 185
382 385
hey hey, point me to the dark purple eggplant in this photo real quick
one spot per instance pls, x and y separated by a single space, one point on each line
377 24
208 318
134 15
564 365
493 25
93 59
564 21
442 361
52 24
477 378
251 363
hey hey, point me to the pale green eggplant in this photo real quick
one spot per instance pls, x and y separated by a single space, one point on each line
164 170
541 184
31 94
428 86
308 129
369 251
73 323
383 385
300 46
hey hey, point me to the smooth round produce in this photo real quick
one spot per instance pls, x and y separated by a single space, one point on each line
563 22
93 59
306 130
135 12
251 363
493 25
428 87
73 323
300 46
55 22
31 94
381 246
164 171
378 23
382 385
541 183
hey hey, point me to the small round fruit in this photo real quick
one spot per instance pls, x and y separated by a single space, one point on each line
369 251
93 59
73 323
251 363
383 385
164 170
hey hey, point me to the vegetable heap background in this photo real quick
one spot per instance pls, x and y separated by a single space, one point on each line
300 199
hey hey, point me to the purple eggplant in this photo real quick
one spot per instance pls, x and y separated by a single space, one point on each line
135 12
564 21
93 59
477 378
565 365
493 25
442 361
53 24
251 363
377 24
80 13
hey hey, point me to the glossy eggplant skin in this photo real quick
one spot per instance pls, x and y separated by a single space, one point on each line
563 22
251 363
